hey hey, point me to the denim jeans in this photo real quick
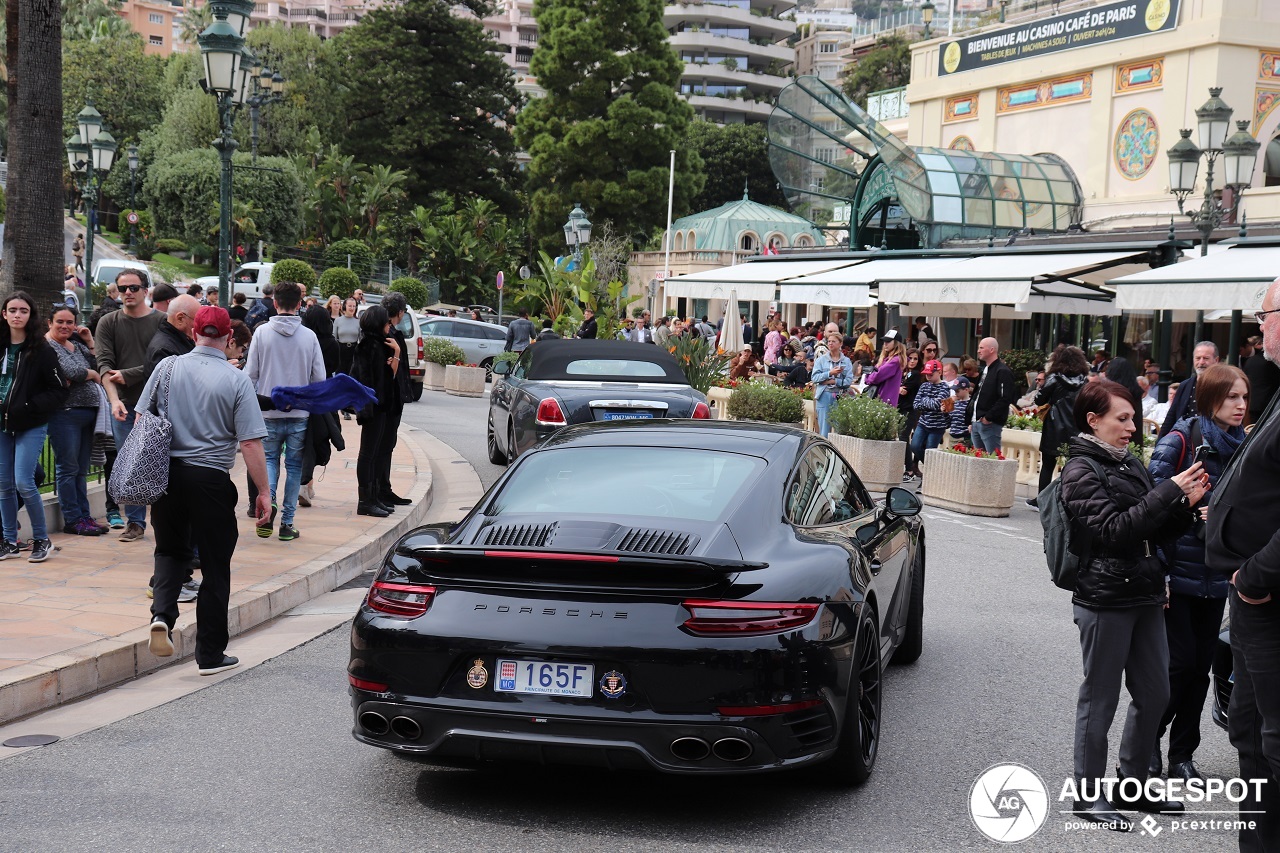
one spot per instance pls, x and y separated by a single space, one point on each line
71 436
287 435
924 439
822 407
986 437
121 430
19 455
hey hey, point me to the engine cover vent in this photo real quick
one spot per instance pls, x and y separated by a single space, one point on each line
650 541
521 535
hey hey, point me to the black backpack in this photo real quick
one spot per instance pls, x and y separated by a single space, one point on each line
1066 541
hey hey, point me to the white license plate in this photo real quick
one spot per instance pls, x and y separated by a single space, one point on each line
544 678
626 416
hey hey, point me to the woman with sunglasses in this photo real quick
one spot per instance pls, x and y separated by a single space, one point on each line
71 425
31 389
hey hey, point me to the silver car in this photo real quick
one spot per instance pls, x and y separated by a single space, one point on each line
479 342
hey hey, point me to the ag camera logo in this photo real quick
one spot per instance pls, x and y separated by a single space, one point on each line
1009 803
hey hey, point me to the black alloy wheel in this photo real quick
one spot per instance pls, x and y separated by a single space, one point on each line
415 391
913 638
487 364
496 456
855 755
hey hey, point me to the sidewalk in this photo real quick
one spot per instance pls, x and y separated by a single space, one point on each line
78 622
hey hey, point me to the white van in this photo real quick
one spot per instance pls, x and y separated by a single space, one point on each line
248 279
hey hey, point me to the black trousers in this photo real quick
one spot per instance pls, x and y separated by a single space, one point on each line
1253 720
198 509
372 434
1191 625
390 435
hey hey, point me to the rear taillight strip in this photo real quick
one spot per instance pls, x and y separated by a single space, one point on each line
400 599
746 618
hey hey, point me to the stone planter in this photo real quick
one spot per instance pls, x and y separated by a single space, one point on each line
433 376
967 484
1023 447
810 416
464 381
718 399
877 463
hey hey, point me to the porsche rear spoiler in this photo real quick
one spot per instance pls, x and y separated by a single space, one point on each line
485 565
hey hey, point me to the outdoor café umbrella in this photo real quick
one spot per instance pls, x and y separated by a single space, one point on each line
731 331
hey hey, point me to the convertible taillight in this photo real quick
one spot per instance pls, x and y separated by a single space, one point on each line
701 412
549 413
407 600
746 618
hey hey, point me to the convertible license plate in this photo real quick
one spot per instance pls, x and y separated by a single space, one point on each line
627 416
544 678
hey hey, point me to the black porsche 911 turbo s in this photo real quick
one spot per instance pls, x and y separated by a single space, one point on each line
560 382
687 596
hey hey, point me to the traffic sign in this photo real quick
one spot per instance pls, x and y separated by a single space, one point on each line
499 280
132 217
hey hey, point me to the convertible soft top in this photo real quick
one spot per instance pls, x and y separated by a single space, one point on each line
602 361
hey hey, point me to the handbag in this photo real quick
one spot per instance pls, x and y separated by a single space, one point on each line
141 473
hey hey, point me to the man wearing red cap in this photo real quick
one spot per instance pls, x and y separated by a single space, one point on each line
212 407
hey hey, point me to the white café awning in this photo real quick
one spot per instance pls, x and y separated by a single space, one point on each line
850 286
754 281
1233 280
1051 282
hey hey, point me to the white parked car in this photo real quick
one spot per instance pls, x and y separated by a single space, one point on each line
105 270
248 279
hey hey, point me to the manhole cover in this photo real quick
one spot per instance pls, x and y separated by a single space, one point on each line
31 740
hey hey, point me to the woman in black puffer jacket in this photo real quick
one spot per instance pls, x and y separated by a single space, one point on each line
1120 593
1068 372
374 364
1197 594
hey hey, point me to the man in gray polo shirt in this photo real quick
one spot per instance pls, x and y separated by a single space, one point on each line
212 407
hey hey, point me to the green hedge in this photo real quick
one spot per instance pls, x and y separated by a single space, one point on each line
361 257
338 281
415 292
294 270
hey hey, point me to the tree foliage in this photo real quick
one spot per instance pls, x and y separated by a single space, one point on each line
294 270
181 190
360 258
465 247
734 156
602 134
425 91
338 281
886 66
130 96
309 70
417 294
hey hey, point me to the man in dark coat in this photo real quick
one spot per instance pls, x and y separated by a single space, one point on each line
997 391
396 306
587 331
1264 379
519 332
1183 404
1242 542
173 337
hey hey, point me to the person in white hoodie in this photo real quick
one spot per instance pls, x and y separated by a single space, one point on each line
284 353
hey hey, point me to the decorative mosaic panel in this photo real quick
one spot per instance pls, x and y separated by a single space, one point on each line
962 143
1045 93
961 108
1264 101
1268 65
1140 75
1137 144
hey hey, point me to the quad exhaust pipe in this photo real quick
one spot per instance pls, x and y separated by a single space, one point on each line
696 749
374 723
406 727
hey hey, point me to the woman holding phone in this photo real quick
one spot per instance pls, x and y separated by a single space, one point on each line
1197 594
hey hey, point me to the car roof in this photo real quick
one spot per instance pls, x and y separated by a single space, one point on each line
549 360
466 320
750 439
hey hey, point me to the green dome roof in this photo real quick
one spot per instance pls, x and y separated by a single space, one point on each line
722 228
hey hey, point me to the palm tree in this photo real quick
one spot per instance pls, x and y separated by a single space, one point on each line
379 189
194 21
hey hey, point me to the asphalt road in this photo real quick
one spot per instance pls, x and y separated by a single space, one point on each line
265 760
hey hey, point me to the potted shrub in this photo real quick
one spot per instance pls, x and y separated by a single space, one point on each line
766 402
966 480
438 353
865 431
464 380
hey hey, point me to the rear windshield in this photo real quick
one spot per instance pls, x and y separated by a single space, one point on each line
592 367
697 484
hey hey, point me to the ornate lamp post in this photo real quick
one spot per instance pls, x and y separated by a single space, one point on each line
267 87
577 233
1239 155
90 154
222 49
1004 6
133 178
926 15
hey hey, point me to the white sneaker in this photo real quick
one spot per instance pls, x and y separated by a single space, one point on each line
161 644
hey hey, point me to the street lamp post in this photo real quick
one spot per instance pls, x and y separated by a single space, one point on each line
268 88
577 233
1239 155
133 177
90 154
1004 6
926 16
226 78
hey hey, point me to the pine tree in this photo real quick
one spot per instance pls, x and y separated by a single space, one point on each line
602 135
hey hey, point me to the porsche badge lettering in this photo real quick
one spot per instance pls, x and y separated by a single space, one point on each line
478 676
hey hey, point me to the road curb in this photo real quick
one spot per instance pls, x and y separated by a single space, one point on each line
59 678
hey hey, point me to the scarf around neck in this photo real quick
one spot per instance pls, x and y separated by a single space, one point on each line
1224 441
1116 453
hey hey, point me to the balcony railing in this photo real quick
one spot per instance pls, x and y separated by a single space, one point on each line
887 104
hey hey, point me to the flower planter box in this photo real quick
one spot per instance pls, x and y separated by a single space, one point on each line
464 381
877 463
433 376
718 399
1023 447
967 484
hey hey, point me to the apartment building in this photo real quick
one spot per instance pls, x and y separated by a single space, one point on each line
154 21
325 18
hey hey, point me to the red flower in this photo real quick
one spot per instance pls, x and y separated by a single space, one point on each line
978 454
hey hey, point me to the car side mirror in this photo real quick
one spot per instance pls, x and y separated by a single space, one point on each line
900 502
501 368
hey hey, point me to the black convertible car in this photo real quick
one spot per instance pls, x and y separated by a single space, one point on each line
689 596
560 382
